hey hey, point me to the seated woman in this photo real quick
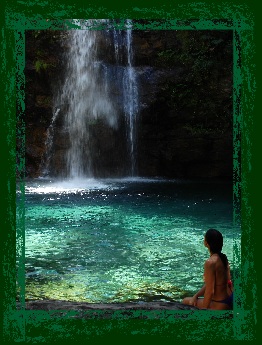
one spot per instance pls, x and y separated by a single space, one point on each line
217 291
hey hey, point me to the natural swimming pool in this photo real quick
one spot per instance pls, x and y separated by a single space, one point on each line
118 240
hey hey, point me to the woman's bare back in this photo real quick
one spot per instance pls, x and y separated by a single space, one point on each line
222 276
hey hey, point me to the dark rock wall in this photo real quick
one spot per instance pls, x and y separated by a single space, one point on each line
43 59
185 122
184 127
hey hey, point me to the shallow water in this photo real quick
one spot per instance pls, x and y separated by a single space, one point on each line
117 240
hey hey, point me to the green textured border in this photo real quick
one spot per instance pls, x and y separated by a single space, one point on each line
39 326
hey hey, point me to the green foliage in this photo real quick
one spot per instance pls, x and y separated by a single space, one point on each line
43 62
42 49
40 65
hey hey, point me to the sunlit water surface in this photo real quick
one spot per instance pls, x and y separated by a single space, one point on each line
121 240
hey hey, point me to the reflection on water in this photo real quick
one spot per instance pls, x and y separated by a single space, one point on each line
121 240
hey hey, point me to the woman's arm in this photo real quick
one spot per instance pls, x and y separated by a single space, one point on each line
201 292
198 294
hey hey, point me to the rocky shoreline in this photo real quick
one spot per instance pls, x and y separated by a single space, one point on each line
108 310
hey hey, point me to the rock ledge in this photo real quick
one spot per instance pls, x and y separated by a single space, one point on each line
109 310
67 305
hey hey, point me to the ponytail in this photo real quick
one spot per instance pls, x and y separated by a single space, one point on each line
223 258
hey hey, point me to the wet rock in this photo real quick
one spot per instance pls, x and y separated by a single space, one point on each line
66 305
138 310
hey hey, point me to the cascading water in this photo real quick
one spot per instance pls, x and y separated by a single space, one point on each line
86 95
130 90
130 97
85 91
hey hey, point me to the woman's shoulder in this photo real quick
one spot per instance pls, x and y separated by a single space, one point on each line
210 262
213 260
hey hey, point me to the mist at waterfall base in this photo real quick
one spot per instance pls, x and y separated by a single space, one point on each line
119 240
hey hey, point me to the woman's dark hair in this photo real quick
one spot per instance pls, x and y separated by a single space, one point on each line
214 239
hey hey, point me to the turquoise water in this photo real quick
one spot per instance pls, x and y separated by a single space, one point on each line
121 240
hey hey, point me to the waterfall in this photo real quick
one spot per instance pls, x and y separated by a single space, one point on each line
129 89
87 97
130 97
85 90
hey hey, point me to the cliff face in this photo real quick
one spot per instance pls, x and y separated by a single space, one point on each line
43 63
184 126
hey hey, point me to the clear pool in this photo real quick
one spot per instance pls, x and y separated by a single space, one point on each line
118 240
